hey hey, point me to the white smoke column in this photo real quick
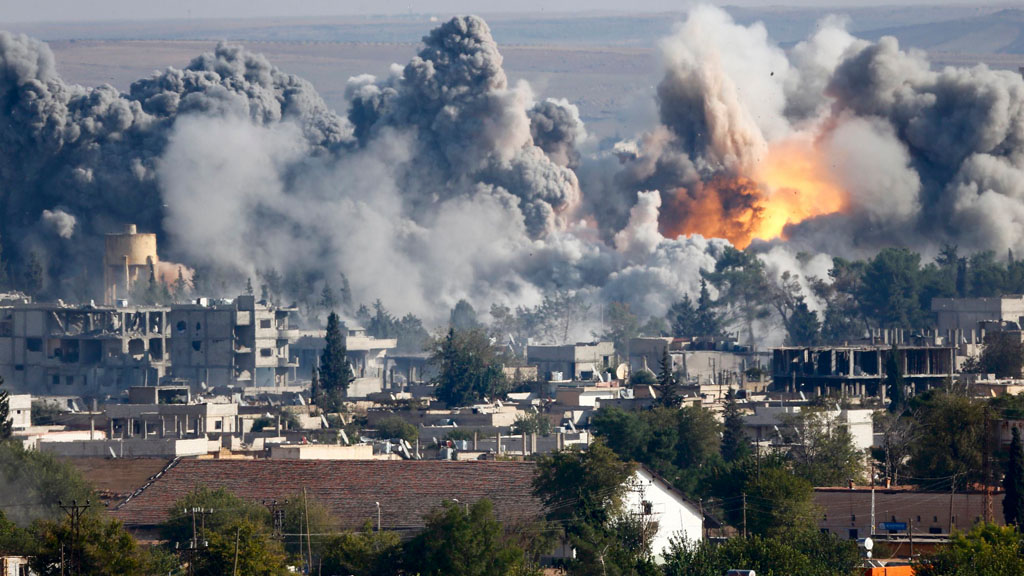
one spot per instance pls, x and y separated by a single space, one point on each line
724 88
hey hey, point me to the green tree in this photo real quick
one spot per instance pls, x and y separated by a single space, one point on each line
987 550
735 446
181 292
412 336
952 452
742 285
824 453
532 423
801 324
779 503
682 318
583 492
219 519
463 542
335 370
621 326
345 293
1002 354
397 427
896 387
806 554
667 387
99 547
6 425
39 481
889 292
709 325
843 319
363 553
643 378
327 301
226 510
897 431
802 327
302 513
1013 483
469 370
463 316
382 324
242 547
33 276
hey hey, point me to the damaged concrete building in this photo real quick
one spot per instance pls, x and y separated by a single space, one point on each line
56 349
858 370
241 343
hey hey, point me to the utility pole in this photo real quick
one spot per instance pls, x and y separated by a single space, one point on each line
872 531
988 471
744 514
276 515
952 491
309 544
700 503
74 512
910 533
234 571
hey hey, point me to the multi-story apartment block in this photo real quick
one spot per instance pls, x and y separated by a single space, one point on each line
83 350
243 342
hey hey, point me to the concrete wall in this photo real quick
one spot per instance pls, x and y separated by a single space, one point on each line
128 448
321 452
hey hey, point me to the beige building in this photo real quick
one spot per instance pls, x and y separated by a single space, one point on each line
581 361
127 258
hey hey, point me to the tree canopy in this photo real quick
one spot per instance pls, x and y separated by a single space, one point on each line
469 369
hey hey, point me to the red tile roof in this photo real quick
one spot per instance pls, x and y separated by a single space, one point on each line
406 489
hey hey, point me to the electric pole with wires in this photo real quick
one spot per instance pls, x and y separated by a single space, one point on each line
74 512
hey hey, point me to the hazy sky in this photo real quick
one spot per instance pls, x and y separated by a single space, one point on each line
79 10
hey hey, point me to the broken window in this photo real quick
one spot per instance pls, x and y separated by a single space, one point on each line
197 345
264 323
34 344
181 326
266 352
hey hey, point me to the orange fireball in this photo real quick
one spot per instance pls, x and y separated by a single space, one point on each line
790 184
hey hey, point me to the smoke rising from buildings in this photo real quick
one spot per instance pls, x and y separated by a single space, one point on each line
443 180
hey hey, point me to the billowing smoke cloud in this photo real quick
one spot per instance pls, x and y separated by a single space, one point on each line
62 223
443 180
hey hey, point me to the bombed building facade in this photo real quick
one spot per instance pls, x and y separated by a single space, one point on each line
859 370
89 350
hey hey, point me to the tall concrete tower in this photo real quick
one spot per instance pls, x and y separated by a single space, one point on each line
127 257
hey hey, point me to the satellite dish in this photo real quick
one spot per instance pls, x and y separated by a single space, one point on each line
621 370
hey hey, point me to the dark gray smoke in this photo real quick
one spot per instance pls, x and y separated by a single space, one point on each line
82 160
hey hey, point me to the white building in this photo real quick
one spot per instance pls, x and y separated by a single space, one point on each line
676 517
19 408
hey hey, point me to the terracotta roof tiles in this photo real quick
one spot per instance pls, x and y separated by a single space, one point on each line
406 489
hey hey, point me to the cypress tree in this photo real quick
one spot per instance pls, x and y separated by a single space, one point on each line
734 441
894 381
668 389
1013 483
335 371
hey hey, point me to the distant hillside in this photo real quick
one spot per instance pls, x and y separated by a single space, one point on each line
1001 32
